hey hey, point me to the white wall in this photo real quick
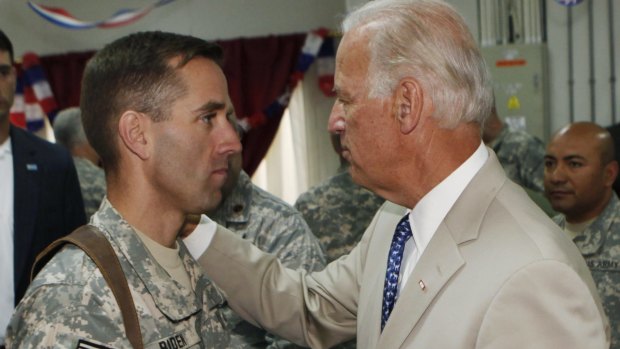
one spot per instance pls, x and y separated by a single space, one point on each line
557 31
209 19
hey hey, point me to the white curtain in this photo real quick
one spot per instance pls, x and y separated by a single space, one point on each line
301 154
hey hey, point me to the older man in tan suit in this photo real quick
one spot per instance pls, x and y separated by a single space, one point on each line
473 262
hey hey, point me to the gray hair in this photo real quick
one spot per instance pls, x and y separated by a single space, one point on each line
429 40
68 128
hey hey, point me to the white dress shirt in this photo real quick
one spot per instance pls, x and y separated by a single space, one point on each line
7 291
431 210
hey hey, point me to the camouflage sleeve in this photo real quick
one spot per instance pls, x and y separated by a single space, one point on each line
532 167
48 317
295 245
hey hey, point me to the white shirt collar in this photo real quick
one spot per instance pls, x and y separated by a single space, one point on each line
431 210
5 148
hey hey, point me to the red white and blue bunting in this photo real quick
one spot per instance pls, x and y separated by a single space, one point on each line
34 100
317 44
63 18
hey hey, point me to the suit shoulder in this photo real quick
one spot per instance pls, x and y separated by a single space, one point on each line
26 141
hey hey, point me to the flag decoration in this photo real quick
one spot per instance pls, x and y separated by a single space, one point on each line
313 43
34 100
326 65
63 18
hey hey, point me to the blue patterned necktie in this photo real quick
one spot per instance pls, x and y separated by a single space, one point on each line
401 235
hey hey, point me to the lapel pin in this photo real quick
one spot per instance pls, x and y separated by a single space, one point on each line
32 167
422 285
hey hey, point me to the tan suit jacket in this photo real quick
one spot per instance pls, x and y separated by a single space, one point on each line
498 273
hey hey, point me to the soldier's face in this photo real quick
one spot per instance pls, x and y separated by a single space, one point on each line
7 85
576 182
193 147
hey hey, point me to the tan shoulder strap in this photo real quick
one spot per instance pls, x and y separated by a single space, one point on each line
98 248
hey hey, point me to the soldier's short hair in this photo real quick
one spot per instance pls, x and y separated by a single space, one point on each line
136 73
6 45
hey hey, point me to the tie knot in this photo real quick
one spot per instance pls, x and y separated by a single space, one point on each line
403 229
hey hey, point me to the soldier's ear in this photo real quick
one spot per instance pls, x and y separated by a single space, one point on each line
611 172
133 129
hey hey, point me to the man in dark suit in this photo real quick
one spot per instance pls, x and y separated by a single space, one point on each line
40 198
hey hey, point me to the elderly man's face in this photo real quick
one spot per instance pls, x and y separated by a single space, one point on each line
366 125
576 182
7 85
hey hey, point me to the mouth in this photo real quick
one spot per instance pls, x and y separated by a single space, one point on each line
559 194
222 171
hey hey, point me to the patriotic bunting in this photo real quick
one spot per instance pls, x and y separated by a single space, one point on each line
34 100
63 18
313 44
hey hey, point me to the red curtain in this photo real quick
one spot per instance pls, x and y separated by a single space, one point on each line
258 70
64 74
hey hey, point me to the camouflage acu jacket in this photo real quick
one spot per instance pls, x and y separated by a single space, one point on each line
92 184
275 227
338 212
69 305
522 157
600 246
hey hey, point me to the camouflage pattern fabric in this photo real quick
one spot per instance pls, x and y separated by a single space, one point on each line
522 157
274 227
69 305
92 184
338 212
600 246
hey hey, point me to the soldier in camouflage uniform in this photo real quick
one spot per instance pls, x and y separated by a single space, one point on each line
273 226
69 132
521 154
92 184
154 105
580 170
64 307
338 212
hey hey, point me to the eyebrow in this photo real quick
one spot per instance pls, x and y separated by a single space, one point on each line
573 157
210 106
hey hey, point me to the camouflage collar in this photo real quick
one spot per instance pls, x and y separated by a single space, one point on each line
172 299
592 240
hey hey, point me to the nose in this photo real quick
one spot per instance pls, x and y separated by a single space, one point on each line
555 174
336 123
230 143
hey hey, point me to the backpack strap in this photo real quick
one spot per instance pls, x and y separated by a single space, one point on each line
98 248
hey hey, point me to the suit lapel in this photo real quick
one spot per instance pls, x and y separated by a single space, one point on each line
440 261
26 183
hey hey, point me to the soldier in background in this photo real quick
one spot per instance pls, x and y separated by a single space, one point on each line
521 155
580 170
338 210
69 132
155 107
273 226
